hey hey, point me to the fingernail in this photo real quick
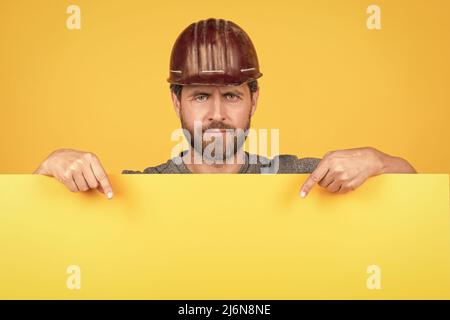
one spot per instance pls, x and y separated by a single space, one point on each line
303 194
109 195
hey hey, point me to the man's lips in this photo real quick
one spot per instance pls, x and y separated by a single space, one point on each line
216 130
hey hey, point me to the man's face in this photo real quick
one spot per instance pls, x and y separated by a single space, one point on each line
216 107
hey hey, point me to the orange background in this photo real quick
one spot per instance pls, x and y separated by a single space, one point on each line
329 83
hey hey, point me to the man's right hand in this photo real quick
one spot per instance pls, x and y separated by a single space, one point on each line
77 170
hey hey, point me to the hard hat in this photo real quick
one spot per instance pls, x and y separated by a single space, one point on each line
213 52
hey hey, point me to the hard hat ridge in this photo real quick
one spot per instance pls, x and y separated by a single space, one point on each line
213 52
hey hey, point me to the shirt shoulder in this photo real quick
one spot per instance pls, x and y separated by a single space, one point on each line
288 163
168 167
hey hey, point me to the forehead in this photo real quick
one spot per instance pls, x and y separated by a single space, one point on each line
211 88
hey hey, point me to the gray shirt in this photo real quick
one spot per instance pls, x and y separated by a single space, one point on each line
284 163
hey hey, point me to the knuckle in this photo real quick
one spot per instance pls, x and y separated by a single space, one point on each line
67 175
339 169
89 156
343 176
101 177
79 162
328 154
332 162
74 166
94 185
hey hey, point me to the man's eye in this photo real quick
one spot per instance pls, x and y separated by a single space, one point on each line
201 97
231 96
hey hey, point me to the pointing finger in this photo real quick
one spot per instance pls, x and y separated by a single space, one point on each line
317 175
101 177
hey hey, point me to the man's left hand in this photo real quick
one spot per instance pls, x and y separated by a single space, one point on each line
345 170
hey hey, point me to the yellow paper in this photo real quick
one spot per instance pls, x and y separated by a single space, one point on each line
225 237
328 83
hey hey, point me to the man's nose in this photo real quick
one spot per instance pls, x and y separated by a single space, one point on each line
218 110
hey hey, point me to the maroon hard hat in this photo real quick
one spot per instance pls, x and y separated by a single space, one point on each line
213 52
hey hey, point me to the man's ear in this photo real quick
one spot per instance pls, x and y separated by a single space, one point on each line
176 103
254 96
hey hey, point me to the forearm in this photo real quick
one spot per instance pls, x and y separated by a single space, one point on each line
392 164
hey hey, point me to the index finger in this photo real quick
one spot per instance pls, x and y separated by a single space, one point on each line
101 177
317 175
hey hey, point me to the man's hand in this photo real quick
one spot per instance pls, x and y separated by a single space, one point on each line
77 170
345 170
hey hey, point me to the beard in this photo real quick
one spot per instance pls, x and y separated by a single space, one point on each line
215 147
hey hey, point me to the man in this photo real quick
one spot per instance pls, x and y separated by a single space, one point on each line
213 75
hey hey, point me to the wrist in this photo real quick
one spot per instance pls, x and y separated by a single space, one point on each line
42 169
378 161
386 163
392 164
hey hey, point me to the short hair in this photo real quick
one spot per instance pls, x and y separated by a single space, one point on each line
177 88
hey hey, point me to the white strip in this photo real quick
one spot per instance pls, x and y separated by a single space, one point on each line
221 71
249 69
176 71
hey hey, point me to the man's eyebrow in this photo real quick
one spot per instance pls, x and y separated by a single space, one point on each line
235 92
198 92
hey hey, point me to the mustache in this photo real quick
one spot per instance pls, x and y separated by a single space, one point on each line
218 125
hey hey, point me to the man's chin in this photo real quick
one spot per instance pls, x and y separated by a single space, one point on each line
209 155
